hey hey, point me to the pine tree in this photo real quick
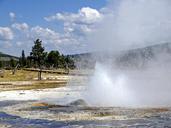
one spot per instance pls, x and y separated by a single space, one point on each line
38 55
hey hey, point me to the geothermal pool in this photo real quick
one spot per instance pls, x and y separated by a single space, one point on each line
64 108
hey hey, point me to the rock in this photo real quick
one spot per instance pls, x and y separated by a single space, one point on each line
79 102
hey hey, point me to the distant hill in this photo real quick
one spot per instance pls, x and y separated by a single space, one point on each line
141 57
6 57
136 58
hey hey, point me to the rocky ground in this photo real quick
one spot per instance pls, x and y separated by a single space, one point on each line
61 108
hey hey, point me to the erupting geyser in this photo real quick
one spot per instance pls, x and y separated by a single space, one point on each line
150 87
133 24
108 88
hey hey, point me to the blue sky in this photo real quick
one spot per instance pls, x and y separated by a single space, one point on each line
33 11
23 20
78 26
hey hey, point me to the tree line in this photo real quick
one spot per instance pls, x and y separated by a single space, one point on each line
41 59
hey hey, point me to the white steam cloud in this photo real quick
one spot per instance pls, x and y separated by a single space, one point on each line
129 88
131 24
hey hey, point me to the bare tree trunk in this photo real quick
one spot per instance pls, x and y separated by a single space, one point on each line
15 68
40 74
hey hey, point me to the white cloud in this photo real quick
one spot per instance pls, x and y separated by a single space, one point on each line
76 26
19 43
6 33
85 15
78 23
12 15
53 40
89 15
45 33
49 36
21 27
